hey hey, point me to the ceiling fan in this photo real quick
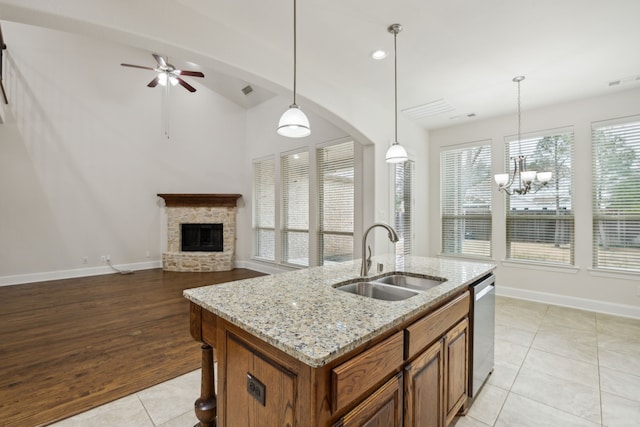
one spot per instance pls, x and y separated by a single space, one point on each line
2 47
168 73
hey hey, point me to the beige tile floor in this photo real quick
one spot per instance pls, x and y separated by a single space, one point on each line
554 367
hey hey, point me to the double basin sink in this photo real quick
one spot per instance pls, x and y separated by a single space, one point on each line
395 287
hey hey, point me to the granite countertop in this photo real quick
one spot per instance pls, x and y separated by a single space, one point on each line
301 313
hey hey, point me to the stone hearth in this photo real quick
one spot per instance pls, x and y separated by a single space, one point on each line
200 209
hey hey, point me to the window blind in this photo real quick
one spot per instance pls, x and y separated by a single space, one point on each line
403 218
540 225
336 197
616 194
295 208
465 192
264 209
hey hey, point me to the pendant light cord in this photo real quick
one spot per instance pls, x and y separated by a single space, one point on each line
395 82
294 52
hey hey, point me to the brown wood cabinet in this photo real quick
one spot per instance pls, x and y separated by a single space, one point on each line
436 381
424 388
415 375
456 368
382 409
258 391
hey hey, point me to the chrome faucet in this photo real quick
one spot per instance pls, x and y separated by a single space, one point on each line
366 260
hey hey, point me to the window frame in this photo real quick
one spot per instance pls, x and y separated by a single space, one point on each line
533 219
629 191
486 217
255 253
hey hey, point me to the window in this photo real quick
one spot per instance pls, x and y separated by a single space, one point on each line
465 187
336 197
616 194
264 209
403 207
540 225
295 208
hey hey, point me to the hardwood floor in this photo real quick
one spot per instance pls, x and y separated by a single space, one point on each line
70 345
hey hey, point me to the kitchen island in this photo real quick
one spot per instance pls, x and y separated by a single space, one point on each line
294 350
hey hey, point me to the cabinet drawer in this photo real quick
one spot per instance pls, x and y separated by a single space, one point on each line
355 377
431 327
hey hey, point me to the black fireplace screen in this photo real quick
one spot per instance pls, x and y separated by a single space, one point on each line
202 238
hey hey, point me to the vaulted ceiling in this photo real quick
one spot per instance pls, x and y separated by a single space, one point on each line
460 54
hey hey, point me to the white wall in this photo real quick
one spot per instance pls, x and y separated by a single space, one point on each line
262 140
578 287
82 155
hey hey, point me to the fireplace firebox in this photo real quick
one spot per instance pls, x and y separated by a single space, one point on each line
202 237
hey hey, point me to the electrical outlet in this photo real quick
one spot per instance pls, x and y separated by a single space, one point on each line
148 254
85 259
103 258
108 258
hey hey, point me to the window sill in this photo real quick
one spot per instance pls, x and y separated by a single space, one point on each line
464 256
615 274
539 266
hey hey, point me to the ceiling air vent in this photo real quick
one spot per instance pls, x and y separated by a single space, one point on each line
428 110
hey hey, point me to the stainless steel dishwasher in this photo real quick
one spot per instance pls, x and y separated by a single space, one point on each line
484 304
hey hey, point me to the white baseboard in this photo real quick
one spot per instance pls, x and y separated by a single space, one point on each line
19 279
572 302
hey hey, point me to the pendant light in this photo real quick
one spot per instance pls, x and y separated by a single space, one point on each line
396 153
294 123
528 181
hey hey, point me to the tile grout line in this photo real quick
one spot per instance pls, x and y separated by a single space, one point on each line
599 373
520 367
146 410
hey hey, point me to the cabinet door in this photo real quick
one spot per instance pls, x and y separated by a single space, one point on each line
382 409
424 389
456 348
267 383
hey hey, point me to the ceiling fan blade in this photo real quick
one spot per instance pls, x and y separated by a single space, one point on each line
4 94
185 85
138 66
190 73
154 82
160 60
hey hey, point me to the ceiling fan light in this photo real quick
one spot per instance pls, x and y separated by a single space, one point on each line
501 179
173 80
294 123
162 79
396 154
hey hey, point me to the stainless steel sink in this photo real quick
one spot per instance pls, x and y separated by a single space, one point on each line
410 282
378 290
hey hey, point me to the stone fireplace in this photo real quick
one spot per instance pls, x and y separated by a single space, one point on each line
201 232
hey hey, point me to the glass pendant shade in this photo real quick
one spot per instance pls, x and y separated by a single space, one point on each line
396 154
501 179
294 123
162 79
544 177
528 176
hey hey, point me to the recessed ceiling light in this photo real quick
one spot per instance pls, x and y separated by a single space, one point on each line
378 54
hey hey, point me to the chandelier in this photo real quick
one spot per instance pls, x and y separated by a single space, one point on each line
528 181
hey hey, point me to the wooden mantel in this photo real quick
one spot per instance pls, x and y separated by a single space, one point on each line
200 200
